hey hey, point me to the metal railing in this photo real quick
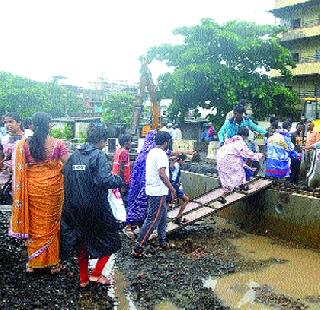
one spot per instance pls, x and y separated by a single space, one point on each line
309 59
308 94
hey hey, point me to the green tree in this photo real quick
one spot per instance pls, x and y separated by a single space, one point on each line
26 97
118 108
216 65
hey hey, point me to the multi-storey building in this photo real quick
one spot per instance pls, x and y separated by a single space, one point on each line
302 38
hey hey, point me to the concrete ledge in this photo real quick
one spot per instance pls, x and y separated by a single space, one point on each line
196 184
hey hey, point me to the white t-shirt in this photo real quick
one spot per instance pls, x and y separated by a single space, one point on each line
156 159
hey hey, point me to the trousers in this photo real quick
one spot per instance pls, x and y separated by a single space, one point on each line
83 260
156 219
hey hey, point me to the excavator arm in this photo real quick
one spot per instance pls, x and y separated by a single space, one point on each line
146 85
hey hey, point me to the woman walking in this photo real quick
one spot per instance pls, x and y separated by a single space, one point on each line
88 224
137 200
38 195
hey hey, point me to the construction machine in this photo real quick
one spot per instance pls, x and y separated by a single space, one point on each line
146 87
311 112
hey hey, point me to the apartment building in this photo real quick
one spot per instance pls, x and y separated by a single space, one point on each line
302 37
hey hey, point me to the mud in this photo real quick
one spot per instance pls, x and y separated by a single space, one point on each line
213 265
41 290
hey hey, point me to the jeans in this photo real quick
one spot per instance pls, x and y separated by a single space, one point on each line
156 219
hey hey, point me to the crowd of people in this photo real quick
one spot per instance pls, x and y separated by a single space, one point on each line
60 200
238 159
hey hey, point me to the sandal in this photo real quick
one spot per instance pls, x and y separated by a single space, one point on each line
135 254
101 280
29 270
55 269
244 187
180 220
84 284
129 233
222 200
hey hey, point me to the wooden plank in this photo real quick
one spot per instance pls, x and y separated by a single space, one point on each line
206 198
191 218
195 211
258 185
189 207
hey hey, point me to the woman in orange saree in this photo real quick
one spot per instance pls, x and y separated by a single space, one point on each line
38 195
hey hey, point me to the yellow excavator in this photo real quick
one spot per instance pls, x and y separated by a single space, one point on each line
146 86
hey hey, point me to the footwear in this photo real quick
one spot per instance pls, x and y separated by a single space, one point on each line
222 200
102 280
29 270
129 233
55 269
136 254
244 187
84 284
180 220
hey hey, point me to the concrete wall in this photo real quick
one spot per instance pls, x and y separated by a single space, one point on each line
195 184
289 216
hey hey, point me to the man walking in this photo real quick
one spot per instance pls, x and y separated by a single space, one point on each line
157 188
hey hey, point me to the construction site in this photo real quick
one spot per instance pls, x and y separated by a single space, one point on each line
257 249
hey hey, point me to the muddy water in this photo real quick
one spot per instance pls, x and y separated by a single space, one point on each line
294 273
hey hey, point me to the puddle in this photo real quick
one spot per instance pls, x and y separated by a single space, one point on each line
291 279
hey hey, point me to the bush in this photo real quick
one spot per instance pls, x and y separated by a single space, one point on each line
65 133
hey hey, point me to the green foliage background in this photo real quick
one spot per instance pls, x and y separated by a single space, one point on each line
25 96
216 65
118 108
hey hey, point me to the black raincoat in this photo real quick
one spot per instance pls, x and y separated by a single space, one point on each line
87 217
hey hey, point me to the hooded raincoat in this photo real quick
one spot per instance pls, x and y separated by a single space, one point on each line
87 217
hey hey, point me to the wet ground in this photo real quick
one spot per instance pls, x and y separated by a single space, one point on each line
213 265
41 290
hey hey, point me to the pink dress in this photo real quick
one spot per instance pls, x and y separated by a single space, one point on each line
230 162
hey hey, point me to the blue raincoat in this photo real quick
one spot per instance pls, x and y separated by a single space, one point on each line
280 150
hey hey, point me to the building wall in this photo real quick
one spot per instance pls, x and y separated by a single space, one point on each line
304 41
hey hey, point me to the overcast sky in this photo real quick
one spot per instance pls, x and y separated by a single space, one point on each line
83 39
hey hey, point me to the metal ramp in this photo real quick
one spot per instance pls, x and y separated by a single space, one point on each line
207 205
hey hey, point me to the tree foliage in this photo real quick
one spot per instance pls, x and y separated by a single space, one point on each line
26 97
216 65
118 108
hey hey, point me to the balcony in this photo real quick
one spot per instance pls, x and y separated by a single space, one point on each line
279 4
306 66
284 8
308 29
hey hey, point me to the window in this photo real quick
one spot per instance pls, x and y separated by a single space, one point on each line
296 23
295 57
